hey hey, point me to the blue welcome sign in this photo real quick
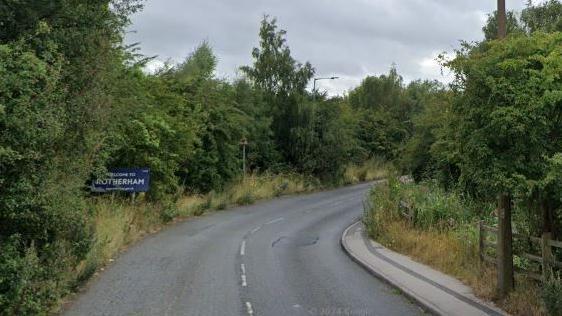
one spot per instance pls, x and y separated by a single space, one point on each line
123 179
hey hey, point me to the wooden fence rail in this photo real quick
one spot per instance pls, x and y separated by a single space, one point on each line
546 259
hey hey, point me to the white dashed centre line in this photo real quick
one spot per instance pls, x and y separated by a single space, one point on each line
249 308
274 221
244 283
243 248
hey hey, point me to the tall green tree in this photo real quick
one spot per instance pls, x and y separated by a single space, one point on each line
283 82
216 156
507 117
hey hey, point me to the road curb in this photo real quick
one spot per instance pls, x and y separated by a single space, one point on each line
435 292
422 303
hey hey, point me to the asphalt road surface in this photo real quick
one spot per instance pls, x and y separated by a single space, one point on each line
280 257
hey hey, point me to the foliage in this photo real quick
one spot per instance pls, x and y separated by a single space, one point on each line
385 107
451 248
552 295
544 17
434 208
513 26
75 101
313 139
29 283
506 112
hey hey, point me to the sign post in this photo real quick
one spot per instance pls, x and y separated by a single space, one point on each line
244 143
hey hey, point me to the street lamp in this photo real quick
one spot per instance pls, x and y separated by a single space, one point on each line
313 118
314 86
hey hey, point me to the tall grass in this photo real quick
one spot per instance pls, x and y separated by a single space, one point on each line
373 169
444 236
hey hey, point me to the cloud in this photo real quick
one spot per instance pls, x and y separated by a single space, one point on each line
347 38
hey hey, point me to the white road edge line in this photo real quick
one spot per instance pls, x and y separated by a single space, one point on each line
255 230
249 308
274 221
243 248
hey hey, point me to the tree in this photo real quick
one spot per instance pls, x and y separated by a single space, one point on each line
507 122
545 17
514 27
283 82
384 114
421 154
215 158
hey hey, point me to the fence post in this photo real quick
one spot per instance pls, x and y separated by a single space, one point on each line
481 240
546 255
504 250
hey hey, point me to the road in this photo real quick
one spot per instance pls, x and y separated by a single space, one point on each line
280 257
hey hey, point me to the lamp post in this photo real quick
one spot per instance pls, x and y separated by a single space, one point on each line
314 85
312 119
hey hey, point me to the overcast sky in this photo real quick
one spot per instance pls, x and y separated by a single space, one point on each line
346 38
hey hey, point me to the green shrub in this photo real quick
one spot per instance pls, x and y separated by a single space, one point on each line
433 206
169 213
552 295
222 205
29 284
246 199
281 188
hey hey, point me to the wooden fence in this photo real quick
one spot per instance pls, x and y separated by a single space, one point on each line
546 259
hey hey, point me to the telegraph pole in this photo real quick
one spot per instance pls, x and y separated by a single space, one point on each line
505 235
502 20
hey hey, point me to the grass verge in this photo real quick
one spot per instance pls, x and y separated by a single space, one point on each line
443 236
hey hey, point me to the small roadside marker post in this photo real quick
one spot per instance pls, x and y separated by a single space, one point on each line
244 143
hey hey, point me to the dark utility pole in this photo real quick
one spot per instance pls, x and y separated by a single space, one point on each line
504 250
502 20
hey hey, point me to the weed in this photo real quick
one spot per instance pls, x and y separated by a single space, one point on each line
246 199
552 295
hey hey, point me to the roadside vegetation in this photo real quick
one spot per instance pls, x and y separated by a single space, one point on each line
444 235
75 101
494 132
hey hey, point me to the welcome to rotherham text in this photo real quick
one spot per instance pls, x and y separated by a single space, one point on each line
120 181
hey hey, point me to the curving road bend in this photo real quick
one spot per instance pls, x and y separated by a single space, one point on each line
280 257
